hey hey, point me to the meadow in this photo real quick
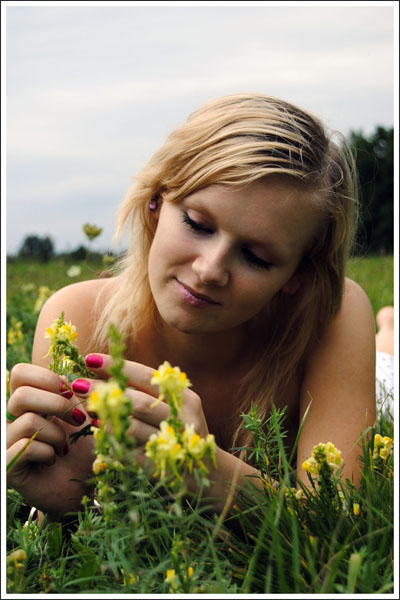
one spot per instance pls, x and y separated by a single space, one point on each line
152 538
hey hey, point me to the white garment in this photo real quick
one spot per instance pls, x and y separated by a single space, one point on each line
384 383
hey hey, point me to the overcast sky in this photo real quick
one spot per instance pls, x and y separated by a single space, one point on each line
92 91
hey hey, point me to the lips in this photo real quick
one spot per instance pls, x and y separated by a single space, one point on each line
193 297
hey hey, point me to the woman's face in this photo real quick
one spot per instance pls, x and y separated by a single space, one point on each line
220 255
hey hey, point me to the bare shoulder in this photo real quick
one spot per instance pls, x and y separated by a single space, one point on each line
355 316
340 380
350 335
355 298
81 303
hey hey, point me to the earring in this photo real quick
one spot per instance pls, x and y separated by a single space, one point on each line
153 205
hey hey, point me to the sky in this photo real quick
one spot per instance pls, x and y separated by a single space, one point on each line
93 89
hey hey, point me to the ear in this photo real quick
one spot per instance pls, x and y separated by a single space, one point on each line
292 286
154 207
155 215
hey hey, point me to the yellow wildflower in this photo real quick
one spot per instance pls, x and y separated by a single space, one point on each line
43 295
107 399
172 381
197 447
164 449
323 454
172 578
190 571
67 364
100 464
31 529
131 577
311 466
382 446
18 555
15 335
15 564
61 333
356 508
193 443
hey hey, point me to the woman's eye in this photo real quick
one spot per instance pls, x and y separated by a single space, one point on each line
194 225
255 260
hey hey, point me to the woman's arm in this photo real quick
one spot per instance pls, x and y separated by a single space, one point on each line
340 381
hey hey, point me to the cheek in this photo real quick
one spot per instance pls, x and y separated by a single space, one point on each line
256 291
252 291
168 248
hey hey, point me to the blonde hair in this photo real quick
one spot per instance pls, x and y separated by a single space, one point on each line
234 141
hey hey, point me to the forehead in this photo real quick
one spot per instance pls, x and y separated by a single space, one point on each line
270 211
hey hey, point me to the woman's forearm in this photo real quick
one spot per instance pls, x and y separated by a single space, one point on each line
227 479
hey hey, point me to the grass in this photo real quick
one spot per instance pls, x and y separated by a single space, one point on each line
144 540
375 275
53 274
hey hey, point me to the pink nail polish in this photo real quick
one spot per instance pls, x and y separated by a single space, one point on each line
65 391
80 386
96 423
94 361
78 416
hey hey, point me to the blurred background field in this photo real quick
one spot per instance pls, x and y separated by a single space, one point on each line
53 274
373 273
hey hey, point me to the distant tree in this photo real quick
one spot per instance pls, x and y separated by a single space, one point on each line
78 254
374 159
37 248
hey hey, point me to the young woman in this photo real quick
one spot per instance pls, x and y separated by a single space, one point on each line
241 225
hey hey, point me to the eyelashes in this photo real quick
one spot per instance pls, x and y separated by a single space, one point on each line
251 258
194 225
255 260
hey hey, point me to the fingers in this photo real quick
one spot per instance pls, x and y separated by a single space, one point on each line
139 375
37 452
141 431
30 423
31 399
34 376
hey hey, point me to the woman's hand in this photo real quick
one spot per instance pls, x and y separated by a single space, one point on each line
44 474
145 419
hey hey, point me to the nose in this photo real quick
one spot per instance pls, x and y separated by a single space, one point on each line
212 265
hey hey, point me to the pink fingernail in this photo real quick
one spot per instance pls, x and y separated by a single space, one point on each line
94 361
65 391
78 416
80 386
96 423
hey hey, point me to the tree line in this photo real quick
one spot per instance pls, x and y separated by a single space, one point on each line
374 162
